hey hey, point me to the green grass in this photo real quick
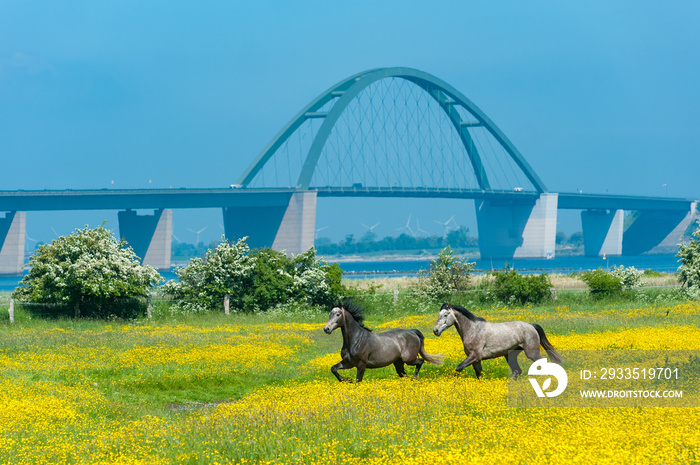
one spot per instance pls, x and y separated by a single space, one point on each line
170 373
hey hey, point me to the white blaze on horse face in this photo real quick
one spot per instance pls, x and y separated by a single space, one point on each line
445 320
334 320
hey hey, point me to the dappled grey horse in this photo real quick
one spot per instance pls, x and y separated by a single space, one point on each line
483 340
364 349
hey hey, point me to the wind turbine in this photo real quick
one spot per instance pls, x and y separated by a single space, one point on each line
27 248
407 227
371 228
197 233
319 230
420 229
446 224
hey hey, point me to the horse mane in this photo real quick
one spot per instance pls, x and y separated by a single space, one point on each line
356 310
466 313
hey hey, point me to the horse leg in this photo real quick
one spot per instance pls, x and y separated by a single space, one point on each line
418 362
477 370
512 359
361 370
343 365
533 353
400 370
468 361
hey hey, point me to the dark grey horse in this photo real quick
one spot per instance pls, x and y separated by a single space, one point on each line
483 340
364 349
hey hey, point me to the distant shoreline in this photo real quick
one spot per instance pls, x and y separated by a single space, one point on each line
378 258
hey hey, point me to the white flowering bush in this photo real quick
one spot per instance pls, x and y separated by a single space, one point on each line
315 281
447 275
227 269
630 277
256 280
88 272
689 256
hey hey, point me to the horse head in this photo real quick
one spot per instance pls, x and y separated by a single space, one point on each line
336 318
446 318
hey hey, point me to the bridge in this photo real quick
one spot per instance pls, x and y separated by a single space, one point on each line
388 132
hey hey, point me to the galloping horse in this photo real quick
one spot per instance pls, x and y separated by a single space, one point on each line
483 340
364 349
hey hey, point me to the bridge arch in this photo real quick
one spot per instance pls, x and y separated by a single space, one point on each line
345 92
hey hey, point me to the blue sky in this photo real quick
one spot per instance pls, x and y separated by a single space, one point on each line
599 96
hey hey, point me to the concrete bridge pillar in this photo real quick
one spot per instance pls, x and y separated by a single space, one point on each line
288 226
524 228
12 238
149 235
602 232
653 230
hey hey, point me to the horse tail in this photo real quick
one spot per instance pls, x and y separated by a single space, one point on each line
547 346
435 359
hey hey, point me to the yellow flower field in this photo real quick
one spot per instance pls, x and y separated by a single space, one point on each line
100 395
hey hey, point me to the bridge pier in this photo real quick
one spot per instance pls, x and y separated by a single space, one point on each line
602 232
12 239
149 235
287 226
654 229
522 228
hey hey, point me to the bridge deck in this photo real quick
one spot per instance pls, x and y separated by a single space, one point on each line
122 199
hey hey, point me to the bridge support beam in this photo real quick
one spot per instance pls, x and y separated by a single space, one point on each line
654 230
12 238
602 232
517 229
149 235
288 227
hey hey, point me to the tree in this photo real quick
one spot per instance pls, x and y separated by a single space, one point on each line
561 238
226 270
459 237
86 271
255 280
446 276
576 239
689 256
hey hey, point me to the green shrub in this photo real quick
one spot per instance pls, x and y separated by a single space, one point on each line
602 284
511 287
203 283
630 277
446 276
87 273
689 255
254 280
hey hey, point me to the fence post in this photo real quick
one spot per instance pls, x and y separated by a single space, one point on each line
396 295
149 308
12 310
227 300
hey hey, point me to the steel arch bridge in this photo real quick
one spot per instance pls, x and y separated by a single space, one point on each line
388 132
392 130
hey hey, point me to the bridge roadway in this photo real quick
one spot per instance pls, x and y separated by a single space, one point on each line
512 224
125 199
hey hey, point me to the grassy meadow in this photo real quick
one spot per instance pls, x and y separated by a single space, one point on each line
211 388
